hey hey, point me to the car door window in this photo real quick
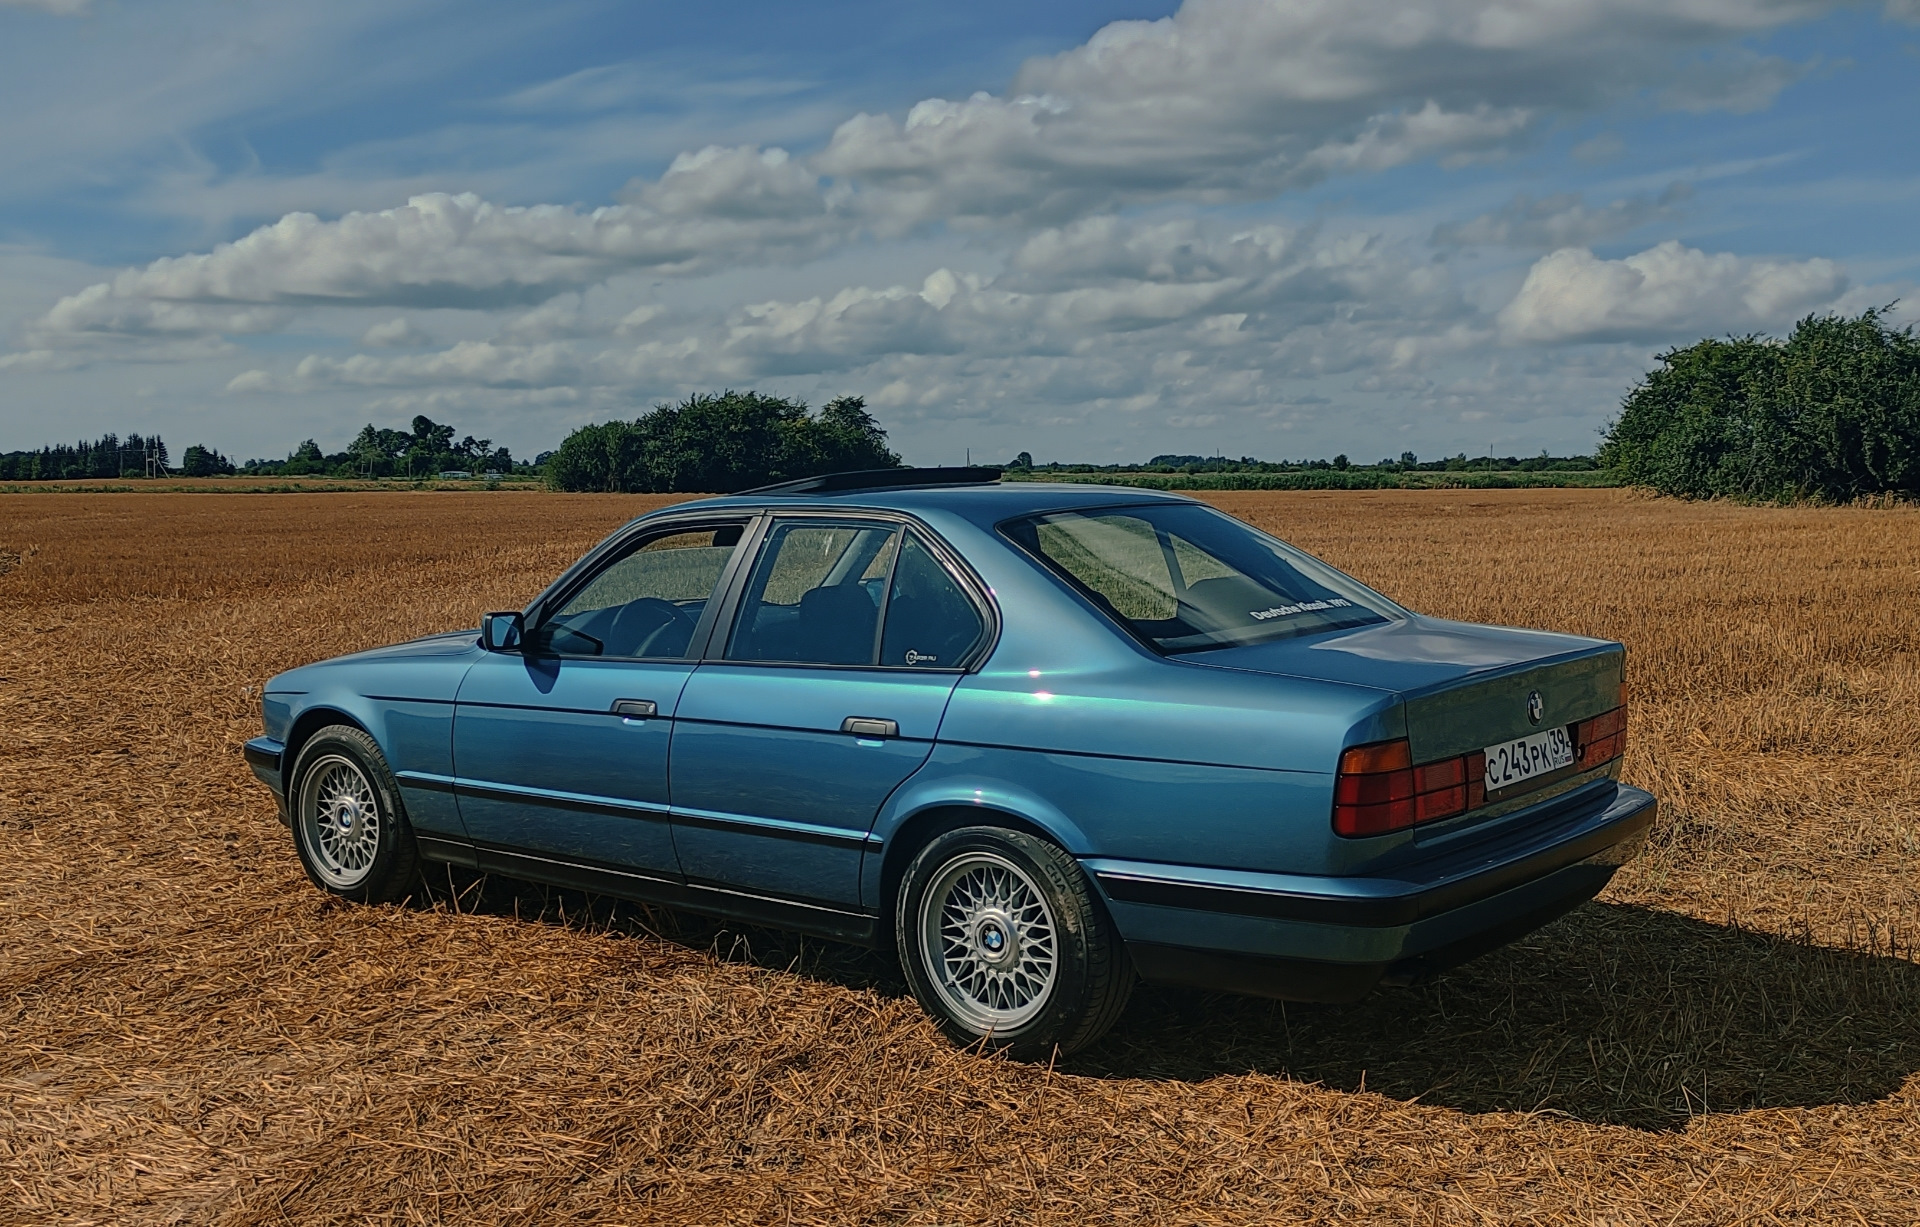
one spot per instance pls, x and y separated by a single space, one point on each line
645 604
931 623
815 595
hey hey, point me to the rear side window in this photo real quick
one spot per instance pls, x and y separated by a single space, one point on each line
1187 578
816 594
847 593
930 622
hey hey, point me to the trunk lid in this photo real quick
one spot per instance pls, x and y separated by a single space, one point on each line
1463 686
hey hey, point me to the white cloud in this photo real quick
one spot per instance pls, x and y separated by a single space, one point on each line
399 333
1101 293
251 382
1738 82
455 251
1667 293
473 363
1563 220
743 184
1229 99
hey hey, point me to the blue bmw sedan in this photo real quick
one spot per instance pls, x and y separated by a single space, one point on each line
1039 740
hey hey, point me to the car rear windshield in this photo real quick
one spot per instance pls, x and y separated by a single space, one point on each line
1187 578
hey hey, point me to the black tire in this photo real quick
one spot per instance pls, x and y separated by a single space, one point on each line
351 835
1006 945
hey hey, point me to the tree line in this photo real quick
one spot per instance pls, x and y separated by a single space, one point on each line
425 449
108 456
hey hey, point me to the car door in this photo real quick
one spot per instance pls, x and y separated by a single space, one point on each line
794 731
560 749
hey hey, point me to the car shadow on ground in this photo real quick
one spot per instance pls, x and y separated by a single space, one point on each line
1614 1014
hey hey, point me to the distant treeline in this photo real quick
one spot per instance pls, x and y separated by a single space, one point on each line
107 456
426 449
1369 478
1409 472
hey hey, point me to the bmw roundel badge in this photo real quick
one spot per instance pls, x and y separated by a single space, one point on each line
1536 707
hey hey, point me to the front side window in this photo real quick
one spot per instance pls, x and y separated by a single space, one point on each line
646 603
1187 578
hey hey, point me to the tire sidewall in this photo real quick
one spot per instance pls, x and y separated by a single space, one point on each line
358 748
1072 990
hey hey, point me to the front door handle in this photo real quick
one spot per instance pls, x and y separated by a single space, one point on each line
636 709
867 726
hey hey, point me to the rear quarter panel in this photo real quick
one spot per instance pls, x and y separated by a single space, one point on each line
1119 752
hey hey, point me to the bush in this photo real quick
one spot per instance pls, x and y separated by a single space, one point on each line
1830 414
718 443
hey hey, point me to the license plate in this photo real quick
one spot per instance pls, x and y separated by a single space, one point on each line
1527 758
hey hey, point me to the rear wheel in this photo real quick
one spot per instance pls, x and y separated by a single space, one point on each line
348 828
1004 942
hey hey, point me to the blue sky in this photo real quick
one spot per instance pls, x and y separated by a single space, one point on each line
1283 228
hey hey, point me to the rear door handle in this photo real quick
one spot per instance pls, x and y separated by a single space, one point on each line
866 726
635 709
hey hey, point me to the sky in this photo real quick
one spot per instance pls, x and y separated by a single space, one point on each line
1088 231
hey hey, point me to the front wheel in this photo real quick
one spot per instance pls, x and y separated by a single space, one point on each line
1004 942
348 828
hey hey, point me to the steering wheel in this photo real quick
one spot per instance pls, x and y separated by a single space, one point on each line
635 617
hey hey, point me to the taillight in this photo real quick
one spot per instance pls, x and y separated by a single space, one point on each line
1373 793
1602 738
1379 790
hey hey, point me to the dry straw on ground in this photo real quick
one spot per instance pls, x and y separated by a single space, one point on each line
192 1034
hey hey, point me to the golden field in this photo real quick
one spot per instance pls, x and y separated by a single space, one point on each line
189 1032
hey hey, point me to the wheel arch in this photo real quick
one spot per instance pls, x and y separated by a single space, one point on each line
913 830
304 726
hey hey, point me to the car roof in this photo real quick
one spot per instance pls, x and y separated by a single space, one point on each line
985 504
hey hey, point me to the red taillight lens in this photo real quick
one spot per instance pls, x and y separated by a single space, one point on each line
1379 790
1602 738
1373 794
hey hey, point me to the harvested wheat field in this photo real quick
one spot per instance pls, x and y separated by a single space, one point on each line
194 1034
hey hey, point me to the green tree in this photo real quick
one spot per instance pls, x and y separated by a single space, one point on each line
198 461
306 458
605 456
1831 413
720 442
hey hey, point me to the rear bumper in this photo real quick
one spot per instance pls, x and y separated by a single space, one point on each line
264 755
1333 939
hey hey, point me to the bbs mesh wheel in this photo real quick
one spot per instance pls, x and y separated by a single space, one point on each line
348 828
1005 943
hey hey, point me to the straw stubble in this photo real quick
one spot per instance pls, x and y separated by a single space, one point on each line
193 1034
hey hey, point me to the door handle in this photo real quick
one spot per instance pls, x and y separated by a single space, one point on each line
635 709
866 726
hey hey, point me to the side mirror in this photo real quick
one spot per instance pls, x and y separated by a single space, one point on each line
502 632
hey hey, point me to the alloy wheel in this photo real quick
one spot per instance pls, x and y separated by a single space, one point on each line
989 942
